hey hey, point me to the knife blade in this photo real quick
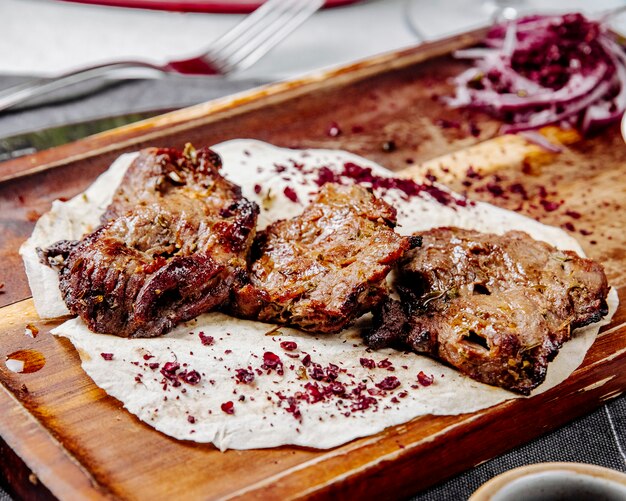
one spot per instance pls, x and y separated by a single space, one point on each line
31 142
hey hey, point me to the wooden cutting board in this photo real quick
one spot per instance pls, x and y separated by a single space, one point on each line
64 437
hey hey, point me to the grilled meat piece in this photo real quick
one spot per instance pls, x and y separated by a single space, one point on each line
173 241
321 270
498 308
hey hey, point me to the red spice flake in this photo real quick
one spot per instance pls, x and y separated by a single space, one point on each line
257 188
244 376
191 419
228 352
364 175
314 393
333 129
443 197
190 377
169 370
327 374
288 345
306 360
549 205
569 226
147 356
291 194
495 189
154 365
471 173
138 378
228 407
519 189
317 372
424 379
326 175
272 361
543 193
363 402
573 214
389 383
474 129
337 388
206 340
385 363
107 356
368 363
586 232
358 173
292 407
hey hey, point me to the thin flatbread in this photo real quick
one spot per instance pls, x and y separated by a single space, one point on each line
242 384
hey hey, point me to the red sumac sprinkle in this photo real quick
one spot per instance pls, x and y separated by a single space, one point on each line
206 340
385 363
367 363
244 376
107 356
271 360
291 194
228 407
288 345
191 377
169 370
424 379
389 383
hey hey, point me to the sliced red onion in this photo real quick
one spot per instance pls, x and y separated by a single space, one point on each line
549 116
543 70
536 138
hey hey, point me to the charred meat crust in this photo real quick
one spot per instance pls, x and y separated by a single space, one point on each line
174 239
498 308
323 269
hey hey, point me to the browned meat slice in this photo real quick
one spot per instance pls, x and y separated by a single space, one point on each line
321 270
498 308
173 241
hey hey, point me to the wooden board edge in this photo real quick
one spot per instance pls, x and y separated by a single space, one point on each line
221 108
43 455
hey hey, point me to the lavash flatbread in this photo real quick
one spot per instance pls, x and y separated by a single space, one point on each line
277 409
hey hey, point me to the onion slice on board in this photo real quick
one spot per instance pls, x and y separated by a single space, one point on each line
541 70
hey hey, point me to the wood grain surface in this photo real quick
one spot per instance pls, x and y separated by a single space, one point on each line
64 437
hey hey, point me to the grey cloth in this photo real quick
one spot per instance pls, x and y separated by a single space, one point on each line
118 98
599 438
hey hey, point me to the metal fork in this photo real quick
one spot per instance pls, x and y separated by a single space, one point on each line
236 50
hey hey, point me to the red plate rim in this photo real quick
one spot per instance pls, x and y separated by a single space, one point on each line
213 6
